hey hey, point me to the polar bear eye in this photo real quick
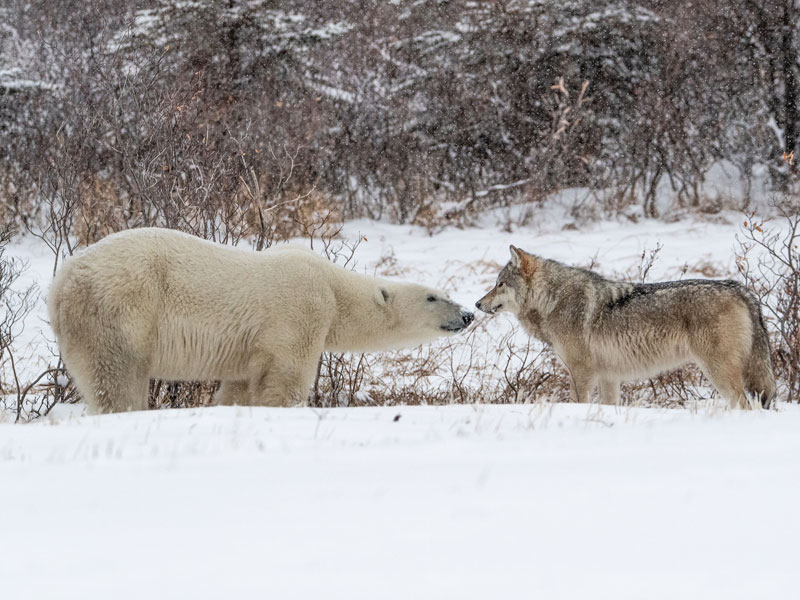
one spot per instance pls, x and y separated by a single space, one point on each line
431 298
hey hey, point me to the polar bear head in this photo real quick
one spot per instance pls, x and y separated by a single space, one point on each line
416 314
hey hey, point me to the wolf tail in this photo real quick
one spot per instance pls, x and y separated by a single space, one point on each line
759 378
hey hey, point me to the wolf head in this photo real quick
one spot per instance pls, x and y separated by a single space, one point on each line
512 283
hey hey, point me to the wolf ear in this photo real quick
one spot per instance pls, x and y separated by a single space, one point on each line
523 261
516 256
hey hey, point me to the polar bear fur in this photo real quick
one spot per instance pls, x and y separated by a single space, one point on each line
156 303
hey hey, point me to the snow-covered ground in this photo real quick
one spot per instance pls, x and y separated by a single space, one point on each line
463 501
525 501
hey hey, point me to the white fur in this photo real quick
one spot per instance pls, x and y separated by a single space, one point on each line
155 303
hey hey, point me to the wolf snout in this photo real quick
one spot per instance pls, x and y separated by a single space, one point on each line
487 309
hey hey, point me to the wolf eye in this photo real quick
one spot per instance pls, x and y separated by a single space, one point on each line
501 284
431 298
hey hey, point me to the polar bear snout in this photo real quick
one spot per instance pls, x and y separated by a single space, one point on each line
462 322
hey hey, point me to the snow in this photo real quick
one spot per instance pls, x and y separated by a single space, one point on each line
616 245
13 79
459 501
331 91
551 501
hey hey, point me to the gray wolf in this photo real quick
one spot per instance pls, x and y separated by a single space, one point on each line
607 332
155 303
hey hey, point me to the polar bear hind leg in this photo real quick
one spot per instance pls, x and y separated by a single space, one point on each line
109 379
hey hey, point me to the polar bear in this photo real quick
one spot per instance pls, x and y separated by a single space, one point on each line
156 303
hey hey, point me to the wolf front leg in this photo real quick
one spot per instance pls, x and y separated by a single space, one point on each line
581 382
609 391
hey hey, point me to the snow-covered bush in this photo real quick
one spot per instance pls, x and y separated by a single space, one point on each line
410 112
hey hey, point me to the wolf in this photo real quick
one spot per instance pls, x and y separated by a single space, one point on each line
607 332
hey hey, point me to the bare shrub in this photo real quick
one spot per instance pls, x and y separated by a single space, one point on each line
37 396
340 376
677 388
768 259
181 394
16 306
418 113
530 372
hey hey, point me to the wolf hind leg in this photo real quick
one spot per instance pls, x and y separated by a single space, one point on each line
728 379
759 377
609 391
723 354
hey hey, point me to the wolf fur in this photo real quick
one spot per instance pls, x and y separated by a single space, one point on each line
155 303
607 332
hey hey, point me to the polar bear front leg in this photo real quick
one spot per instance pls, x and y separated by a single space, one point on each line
233 392
285 383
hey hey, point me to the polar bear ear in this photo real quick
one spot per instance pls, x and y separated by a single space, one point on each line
382 296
